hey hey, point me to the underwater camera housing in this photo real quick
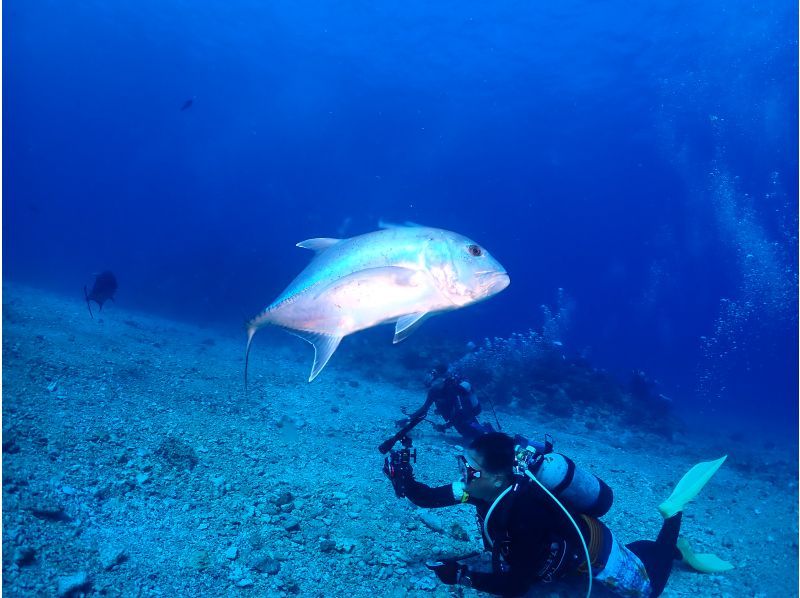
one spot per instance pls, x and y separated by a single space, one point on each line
400 466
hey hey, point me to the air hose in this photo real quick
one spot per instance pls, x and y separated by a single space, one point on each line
575 525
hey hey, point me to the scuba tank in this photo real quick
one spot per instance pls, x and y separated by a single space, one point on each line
579 490
535 459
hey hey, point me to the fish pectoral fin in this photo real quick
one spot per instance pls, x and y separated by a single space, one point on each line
318 245
373 281
408 324
324 346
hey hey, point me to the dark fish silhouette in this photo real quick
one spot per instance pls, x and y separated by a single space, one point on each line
187 104
105 285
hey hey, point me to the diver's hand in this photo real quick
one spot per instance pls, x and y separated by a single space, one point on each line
449 572
399 475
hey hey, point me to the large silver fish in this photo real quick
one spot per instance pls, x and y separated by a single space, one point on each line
400 274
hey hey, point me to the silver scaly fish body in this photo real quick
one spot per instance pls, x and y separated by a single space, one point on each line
399 274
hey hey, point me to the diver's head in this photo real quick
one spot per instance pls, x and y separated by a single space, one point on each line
488 465
438 371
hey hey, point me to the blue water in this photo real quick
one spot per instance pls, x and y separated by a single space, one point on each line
641 156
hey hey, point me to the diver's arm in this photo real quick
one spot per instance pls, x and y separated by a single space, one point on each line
515 580
474 404
500 584
422 495
477 411
427 497
423 411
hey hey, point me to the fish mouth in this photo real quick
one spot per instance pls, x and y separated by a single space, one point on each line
494 281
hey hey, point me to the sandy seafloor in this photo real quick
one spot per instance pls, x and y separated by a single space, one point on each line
134 464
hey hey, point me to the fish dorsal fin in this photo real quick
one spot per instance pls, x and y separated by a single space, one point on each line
408 324
319 245
407 224
324 346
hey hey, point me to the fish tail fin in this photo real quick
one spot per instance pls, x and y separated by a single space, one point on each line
252 327
89 305
251 332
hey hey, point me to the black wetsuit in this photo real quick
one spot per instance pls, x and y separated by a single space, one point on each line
458 407
531 539
523 527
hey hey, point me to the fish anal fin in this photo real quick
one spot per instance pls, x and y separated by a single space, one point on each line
318 245
406 325
324 347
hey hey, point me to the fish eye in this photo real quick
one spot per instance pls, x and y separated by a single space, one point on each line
475 251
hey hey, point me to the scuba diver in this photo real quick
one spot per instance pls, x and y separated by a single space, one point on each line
538 517
454 401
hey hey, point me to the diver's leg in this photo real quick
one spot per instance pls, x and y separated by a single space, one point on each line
686 489
659 556
614 565
469 430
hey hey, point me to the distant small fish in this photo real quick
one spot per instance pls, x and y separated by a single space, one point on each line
103 289
187 104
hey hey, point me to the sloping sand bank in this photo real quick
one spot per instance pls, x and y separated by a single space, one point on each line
134 464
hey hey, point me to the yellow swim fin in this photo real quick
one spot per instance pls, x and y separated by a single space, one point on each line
705 563
691 483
